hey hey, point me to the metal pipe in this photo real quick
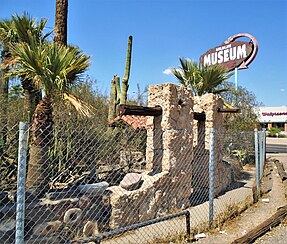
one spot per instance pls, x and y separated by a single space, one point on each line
21 175
236 79
261 156
211 177
256 162
98 238
264 144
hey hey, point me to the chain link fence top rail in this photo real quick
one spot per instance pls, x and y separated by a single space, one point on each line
102 178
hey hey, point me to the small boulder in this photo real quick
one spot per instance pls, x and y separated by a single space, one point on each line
131 181
90 229
7 225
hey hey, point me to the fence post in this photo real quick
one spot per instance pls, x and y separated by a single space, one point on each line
21 175
211 177
264 144
257 162
261 155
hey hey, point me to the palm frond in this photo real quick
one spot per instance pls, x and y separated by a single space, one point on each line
5 64
82 107
228 105
200 79
27 28
53 67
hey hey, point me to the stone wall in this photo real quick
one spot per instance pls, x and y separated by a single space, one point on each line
167 184
209 104
177 158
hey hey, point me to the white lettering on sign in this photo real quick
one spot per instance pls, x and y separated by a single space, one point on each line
224 54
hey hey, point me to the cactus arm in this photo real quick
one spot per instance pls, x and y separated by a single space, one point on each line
118 85
125 86
113 98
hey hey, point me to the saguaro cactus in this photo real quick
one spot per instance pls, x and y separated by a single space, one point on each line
118 94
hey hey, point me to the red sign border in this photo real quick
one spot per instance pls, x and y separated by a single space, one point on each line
245 63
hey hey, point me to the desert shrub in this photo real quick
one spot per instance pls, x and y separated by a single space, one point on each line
274 132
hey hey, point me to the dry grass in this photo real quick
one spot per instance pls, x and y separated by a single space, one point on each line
221 220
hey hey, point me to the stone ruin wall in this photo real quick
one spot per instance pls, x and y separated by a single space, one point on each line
169 137
176 156
209 104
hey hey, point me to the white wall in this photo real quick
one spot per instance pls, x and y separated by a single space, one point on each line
272 114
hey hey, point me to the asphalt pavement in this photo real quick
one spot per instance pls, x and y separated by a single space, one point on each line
276 148
276 145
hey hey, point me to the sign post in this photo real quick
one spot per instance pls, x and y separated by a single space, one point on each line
236 79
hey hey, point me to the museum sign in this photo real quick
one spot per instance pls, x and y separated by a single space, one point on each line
232 54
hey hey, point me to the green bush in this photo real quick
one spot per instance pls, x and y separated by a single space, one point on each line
274 132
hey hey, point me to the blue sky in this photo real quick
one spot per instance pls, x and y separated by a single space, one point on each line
163 30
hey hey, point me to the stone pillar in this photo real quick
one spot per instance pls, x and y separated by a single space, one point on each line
171 132
209 104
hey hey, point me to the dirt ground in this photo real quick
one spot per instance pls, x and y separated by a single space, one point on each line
253 216
277 235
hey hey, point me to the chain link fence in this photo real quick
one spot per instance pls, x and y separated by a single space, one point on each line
9 158
234 169
87 183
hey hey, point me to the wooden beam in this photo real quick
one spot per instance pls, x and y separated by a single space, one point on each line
281 170
264 227
282 174
125 109
228 110
139 110
199 116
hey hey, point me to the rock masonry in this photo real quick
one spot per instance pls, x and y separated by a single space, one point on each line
175 143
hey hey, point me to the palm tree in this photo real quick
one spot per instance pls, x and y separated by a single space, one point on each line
5 26
61 20
55 69
23 29
199 78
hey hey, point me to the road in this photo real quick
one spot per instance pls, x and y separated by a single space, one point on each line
276 148
276 145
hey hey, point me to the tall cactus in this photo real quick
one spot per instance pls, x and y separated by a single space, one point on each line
118 94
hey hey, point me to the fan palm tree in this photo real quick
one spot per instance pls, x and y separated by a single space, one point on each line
55 69
5 27
199 78
22 29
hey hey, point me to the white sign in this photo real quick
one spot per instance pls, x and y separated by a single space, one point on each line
272 114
